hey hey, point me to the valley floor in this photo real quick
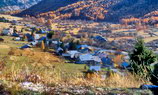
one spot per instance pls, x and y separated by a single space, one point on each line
34 72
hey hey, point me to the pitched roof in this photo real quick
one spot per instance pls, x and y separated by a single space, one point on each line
88 57
72 53
100 38
95 68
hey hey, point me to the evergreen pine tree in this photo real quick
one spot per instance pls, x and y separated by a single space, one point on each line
15 30
141 58
72 45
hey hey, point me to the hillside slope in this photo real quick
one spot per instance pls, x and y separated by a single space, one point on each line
11 5
46 6
99 10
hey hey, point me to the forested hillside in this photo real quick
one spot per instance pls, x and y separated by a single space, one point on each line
98 10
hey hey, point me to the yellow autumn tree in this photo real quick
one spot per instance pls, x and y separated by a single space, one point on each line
43 46
118 60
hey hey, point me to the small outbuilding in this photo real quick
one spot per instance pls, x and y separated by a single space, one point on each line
8 31
107 62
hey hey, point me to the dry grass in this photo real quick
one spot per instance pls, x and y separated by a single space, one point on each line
4 47
149 39
114 81
10 17
120 38
41 67
40 57
27 65
4 25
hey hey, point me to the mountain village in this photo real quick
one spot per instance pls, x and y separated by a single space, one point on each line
99 47
78 47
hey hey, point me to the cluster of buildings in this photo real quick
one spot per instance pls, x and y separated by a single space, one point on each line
95 58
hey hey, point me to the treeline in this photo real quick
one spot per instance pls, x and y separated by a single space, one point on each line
153 20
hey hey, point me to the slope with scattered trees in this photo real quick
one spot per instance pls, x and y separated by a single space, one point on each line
99 10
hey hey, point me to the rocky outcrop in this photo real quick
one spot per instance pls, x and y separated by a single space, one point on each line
12 5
